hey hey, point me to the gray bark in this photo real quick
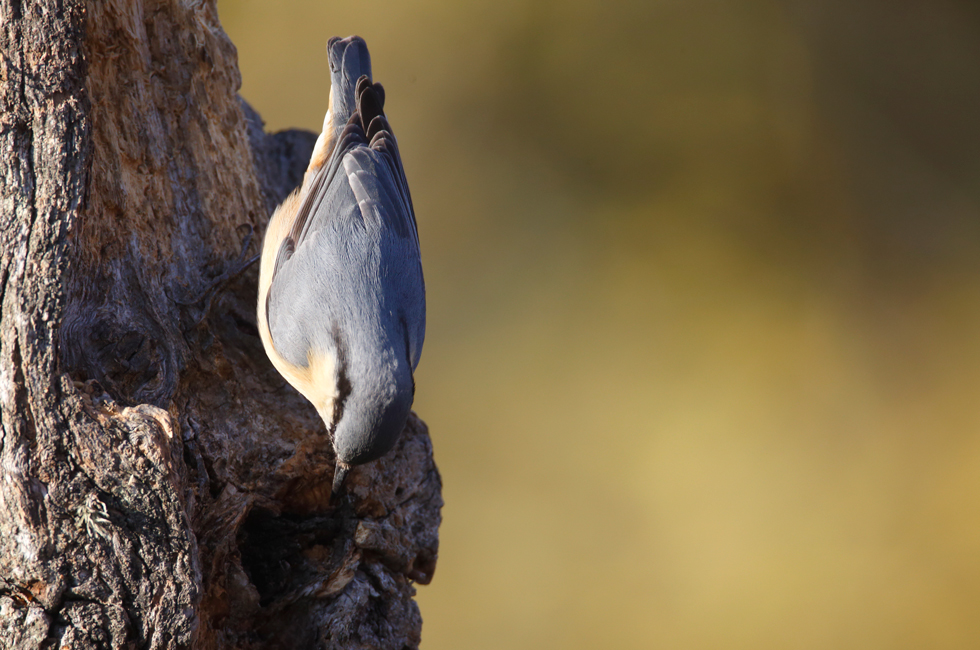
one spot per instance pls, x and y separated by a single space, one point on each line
160 485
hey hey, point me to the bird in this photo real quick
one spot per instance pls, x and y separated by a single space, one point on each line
341 304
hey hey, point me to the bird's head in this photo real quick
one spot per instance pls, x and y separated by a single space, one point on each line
372 405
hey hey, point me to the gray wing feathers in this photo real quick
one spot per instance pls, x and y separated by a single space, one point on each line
381 199
375 190
352 253
359 246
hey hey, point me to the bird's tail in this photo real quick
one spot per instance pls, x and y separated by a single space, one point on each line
349 60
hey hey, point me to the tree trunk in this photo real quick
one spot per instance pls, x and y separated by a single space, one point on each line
160 485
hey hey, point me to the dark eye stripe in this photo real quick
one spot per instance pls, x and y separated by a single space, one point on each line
344 386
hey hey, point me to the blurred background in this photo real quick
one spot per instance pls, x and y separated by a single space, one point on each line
703 356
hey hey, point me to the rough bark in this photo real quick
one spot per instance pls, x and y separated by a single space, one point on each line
160 485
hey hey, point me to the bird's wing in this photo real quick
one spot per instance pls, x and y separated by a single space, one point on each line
357 206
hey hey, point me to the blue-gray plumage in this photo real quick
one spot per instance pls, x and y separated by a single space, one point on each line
341 295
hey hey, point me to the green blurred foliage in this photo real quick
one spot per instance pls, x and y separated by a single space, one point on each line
703 355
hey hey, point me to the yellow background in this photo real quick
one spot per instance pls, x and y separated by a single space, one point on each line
703 356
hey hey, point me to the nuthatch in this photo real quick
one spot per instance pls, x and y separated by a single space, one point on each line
341 296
